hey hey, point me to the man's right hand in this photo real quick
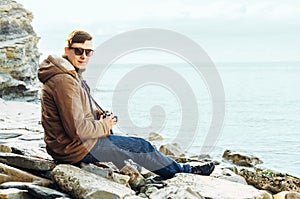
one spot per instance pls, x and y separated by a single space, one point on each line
109 121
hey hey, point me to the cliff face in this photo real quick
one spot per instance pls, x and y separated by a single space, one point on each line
19 55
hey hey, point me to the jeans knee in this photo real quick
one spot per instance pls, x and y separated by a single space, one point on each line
145 146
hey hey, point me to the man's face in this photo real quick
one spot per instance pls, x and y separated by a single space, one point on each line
78 61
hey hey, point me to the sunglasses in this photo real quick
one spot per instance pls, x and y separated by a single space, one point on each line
80 51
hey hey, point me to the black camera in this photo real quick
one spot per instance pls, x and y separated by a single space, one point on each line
107 114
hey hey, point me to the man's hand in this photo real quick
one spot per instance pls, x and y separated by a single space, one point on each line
109 119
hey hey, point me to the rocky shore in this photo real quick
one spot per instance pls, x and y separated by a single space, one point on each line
27 171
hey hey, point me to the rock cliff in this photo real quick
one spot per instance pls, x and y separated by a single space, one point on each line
19 55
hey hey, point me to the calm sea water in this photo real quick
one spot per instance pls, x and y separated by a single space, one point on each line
262 103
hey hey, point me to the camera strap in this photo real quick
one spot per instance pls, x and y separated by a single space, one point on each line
87 88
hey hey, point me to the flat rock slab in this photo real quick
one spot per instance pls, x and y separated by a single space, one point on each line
9 135
34 190
11 174
210 187
82 184
26 162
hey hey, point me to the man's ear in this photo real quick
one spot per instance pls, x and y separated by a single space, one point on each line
66 51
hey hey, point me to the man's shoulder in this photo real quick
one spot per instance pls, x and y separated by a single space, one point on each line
61 62
64 78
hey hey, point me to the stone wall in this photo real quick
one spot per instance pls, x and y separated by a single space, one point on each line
19 55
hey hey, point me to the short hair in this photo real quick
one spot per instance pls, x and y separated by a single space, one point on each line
77 36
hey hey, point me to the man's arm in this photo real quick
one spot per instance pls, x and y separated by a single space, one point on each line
73 107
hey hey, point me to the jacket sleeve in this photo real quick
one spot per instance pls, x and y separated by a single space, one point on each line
74 110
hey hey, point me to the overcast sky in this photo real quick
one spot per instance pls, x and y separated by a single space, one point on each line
236 30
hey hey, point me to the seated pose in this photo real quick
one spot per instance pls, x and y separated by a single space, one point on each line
73 131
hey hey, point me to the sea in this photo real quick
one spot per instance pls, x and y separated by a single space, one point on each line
256 111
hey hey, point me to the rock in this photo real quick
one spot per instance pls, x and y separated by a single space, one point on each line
241 159
270 180
133 164
176 193
35 190
32 137
5 149
107 165
14 194
19 56
134 197
287 195
9 135
11 174
107 173
204 157
150 190
172 150
186 159
19 118
26 162
136 179
32 150
83 184
227 174
210 187
153 136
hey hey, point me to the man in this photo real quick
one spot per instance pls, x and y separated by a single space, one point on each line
74 133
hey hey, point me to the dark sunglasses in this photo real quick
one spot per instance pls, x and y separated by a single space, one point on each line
80 51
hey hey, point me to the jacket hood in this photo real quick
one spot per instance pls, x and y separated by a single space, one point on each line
55 65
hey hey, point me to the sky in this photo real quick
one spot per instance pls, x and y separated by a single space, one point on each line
229 31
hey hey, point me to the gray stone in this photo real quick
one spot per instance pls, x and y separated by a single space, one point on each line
83 184
26 162
227 174
150 190
134 197
107 173
9 135
35 190
210 187
32 150
11 174
176 193
32 137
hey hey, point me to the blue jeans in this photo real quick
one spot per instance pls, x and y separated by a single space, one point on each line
117 149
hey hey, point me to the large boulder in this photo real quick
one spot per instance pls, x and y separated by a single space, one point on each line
83 184
19 55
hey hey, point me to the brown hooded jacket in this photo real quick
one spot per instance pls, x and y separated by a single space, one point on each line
70 128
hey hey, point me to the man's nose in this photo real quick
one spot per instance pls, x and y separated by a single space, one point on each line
83 56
